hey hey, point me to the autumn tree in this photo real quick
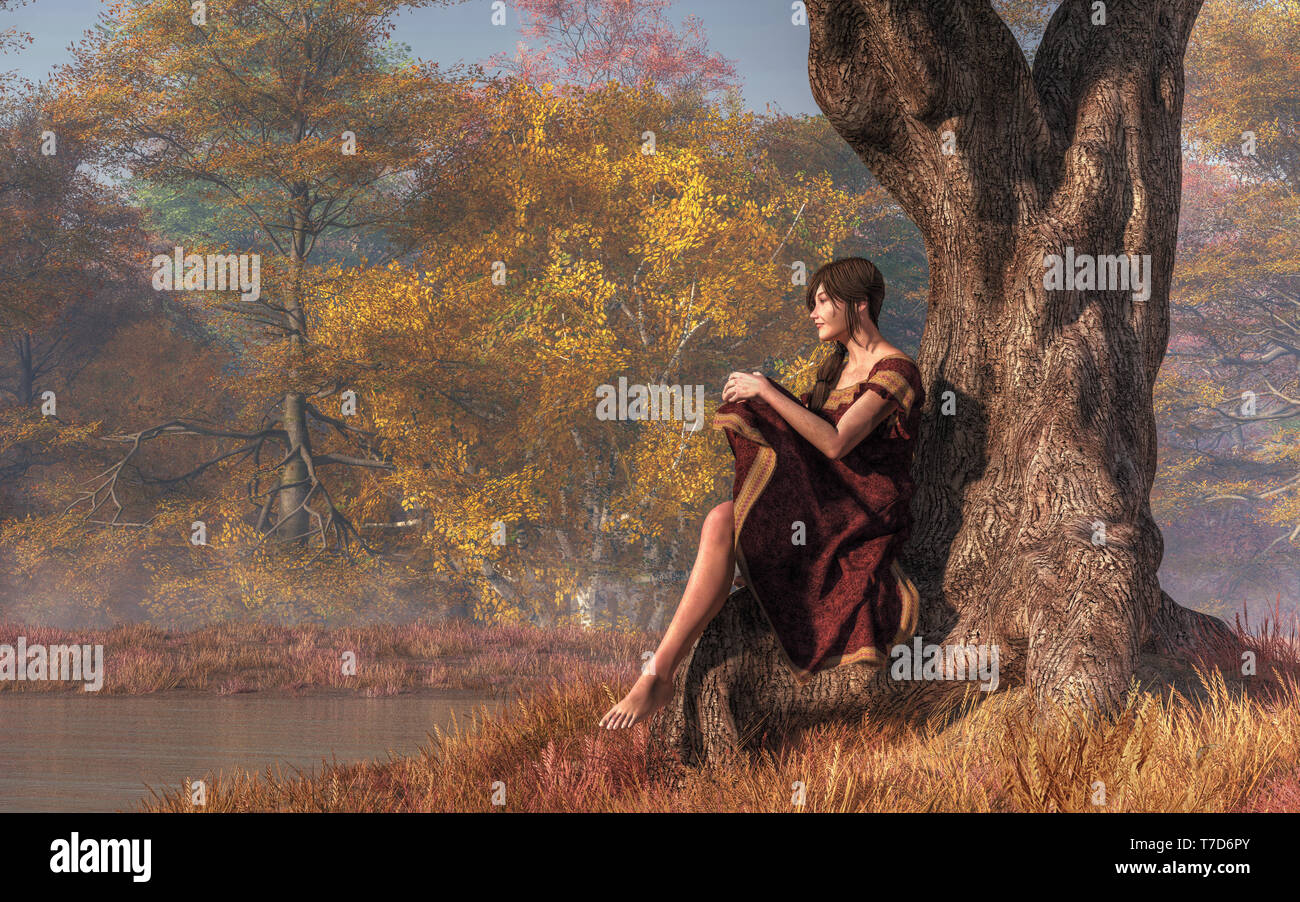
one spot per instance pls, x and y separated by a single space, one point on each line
72 270
590 42
1230 389
65 242
289 118
63 235
601 238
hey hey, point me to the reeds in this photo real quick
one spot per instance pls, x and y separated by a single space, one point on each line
1224 752
230 658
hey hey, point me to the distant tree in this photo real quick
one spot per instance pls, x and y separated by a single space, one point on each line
1229 391
62 231
295 124
65 240
590 42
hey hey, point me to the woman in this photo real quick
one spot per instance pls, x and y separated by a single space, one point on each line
820 505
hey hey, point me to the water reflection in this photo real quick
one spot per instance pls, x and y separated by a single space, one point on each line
80 753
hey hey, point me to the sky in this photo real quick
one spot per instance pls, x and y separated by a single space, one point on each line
769 53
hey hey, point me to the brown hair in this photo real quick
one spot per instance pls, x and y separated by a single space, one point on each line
848 281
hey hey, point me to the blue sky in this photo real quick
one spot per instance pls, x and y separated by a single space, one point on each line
769 53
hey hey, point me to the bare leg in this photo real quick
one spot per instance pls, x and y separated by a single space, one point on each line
706 590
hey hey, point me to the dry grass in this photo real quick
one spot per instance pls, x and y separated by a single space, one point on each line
1225 752
391 659
1232 745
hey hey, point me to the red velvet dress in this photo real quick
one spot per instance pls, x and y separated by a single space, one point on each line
817 540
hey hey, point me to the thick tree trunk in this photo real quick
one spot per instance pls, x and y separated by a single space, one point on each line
735 695
295 515
295 518
1037 448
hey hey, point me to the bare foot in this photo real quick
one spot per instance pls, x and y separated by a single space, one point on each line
650 693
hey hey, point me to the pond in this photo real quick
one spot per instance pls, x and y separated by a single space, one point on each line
84 753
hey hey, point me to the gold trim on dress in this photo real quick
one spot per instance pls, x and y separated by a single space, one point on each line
870 655
849 388
759 472
722 421
755 481
896 386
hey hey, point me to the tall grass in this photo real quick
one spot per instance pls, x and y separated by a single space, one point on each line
239 657
1225 752
1232 745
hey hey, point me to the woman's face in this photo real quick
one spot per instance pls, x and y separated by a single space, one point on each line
831 319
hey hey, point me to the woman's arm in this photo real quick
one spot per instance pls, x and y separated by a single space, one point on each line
859 421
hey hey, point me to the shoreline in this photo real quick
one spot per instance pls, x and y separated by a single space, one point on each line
274 692
376 661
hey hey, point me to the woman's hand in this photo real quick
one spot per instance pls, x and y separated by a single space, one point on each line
741 386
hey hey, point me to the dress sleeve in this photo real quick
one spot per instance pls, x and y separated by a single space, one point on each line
892 381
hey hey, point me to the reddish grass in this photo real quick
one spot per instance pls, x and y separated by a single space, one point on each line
1235 746
390 659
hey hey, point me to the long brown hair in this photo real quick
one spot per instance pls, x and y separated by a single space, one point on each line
848 281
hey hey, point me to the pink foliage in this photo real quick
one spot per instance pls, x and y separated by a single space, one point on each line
590 42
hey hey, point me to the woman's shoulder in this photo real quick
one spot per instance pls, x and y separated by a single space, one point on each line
898 376
899 357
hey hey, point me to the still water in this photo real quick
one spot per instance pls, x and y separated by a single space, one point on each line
81 753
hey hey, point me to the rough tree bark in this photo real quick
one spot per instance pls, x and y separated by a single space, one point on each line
1038 433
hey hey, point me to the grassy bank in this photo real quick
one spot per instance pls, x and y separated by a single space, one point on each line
1226 753
1233 745
390 659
